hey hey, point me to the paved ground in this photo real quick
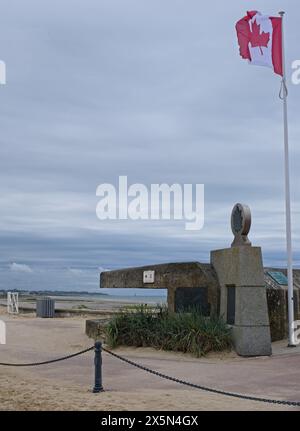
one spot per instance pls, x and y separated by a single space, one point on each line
66 385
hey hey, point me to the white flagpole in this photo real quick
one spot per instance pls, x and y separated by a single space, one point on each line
287 200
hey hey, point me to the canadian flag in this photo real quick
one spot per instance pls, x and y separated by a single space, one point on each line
260 40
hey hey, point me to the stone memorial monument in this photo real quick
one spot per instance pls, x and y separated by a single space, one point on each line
243 297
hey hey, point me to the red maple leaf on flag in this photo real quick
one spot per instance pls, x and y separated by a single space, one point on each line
258 39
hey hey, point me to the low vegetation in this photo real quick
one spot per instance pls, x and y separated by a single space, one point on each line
182 332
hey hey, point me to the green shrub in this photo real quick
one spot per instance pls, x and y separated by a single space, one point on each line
182 332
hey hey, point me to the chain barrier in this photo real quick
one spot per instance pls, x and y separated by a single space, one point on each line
98 375
51 361
202 388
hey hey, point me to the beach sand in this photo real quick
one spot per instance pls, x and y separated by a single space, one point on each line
83 304
67 385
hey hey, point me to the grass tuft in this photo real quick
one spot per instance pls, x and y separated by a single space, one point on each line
180 332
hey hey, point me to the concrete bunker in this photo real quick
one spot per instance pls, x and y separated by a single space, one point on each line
235 285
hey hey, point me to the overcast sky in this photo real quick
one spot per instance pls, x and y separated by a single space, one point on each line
154 90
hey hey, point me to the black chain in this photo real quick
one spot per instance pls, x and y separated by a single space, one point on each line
203 388
156 373
51 361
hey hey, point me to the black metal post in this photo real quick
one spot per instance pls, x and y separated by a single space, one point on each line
98 367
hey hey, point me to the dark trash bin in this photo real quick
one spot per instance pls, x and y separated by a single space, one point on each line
45 307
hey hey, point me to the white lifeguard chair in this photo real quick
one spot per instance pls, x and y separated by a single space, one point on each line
12 302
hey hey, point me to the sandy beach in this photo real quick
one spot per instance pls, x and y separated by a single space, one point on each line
83 304
67 385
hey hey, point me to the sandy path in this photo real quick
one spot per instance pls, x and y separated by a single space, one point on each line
67 385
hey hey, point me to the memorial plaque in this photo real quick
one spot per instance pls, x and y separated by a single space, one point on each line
187 298
279 277
230 305
240 225
148 276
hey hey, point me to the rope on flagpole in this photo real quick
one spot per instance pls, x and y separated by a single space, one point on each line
283 90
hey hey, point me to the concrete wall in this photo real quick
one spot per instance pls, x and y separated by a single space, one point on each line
278 304
169 276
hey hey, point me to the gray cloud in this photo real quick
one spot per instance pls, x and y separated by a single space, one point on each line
20 267
152 90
